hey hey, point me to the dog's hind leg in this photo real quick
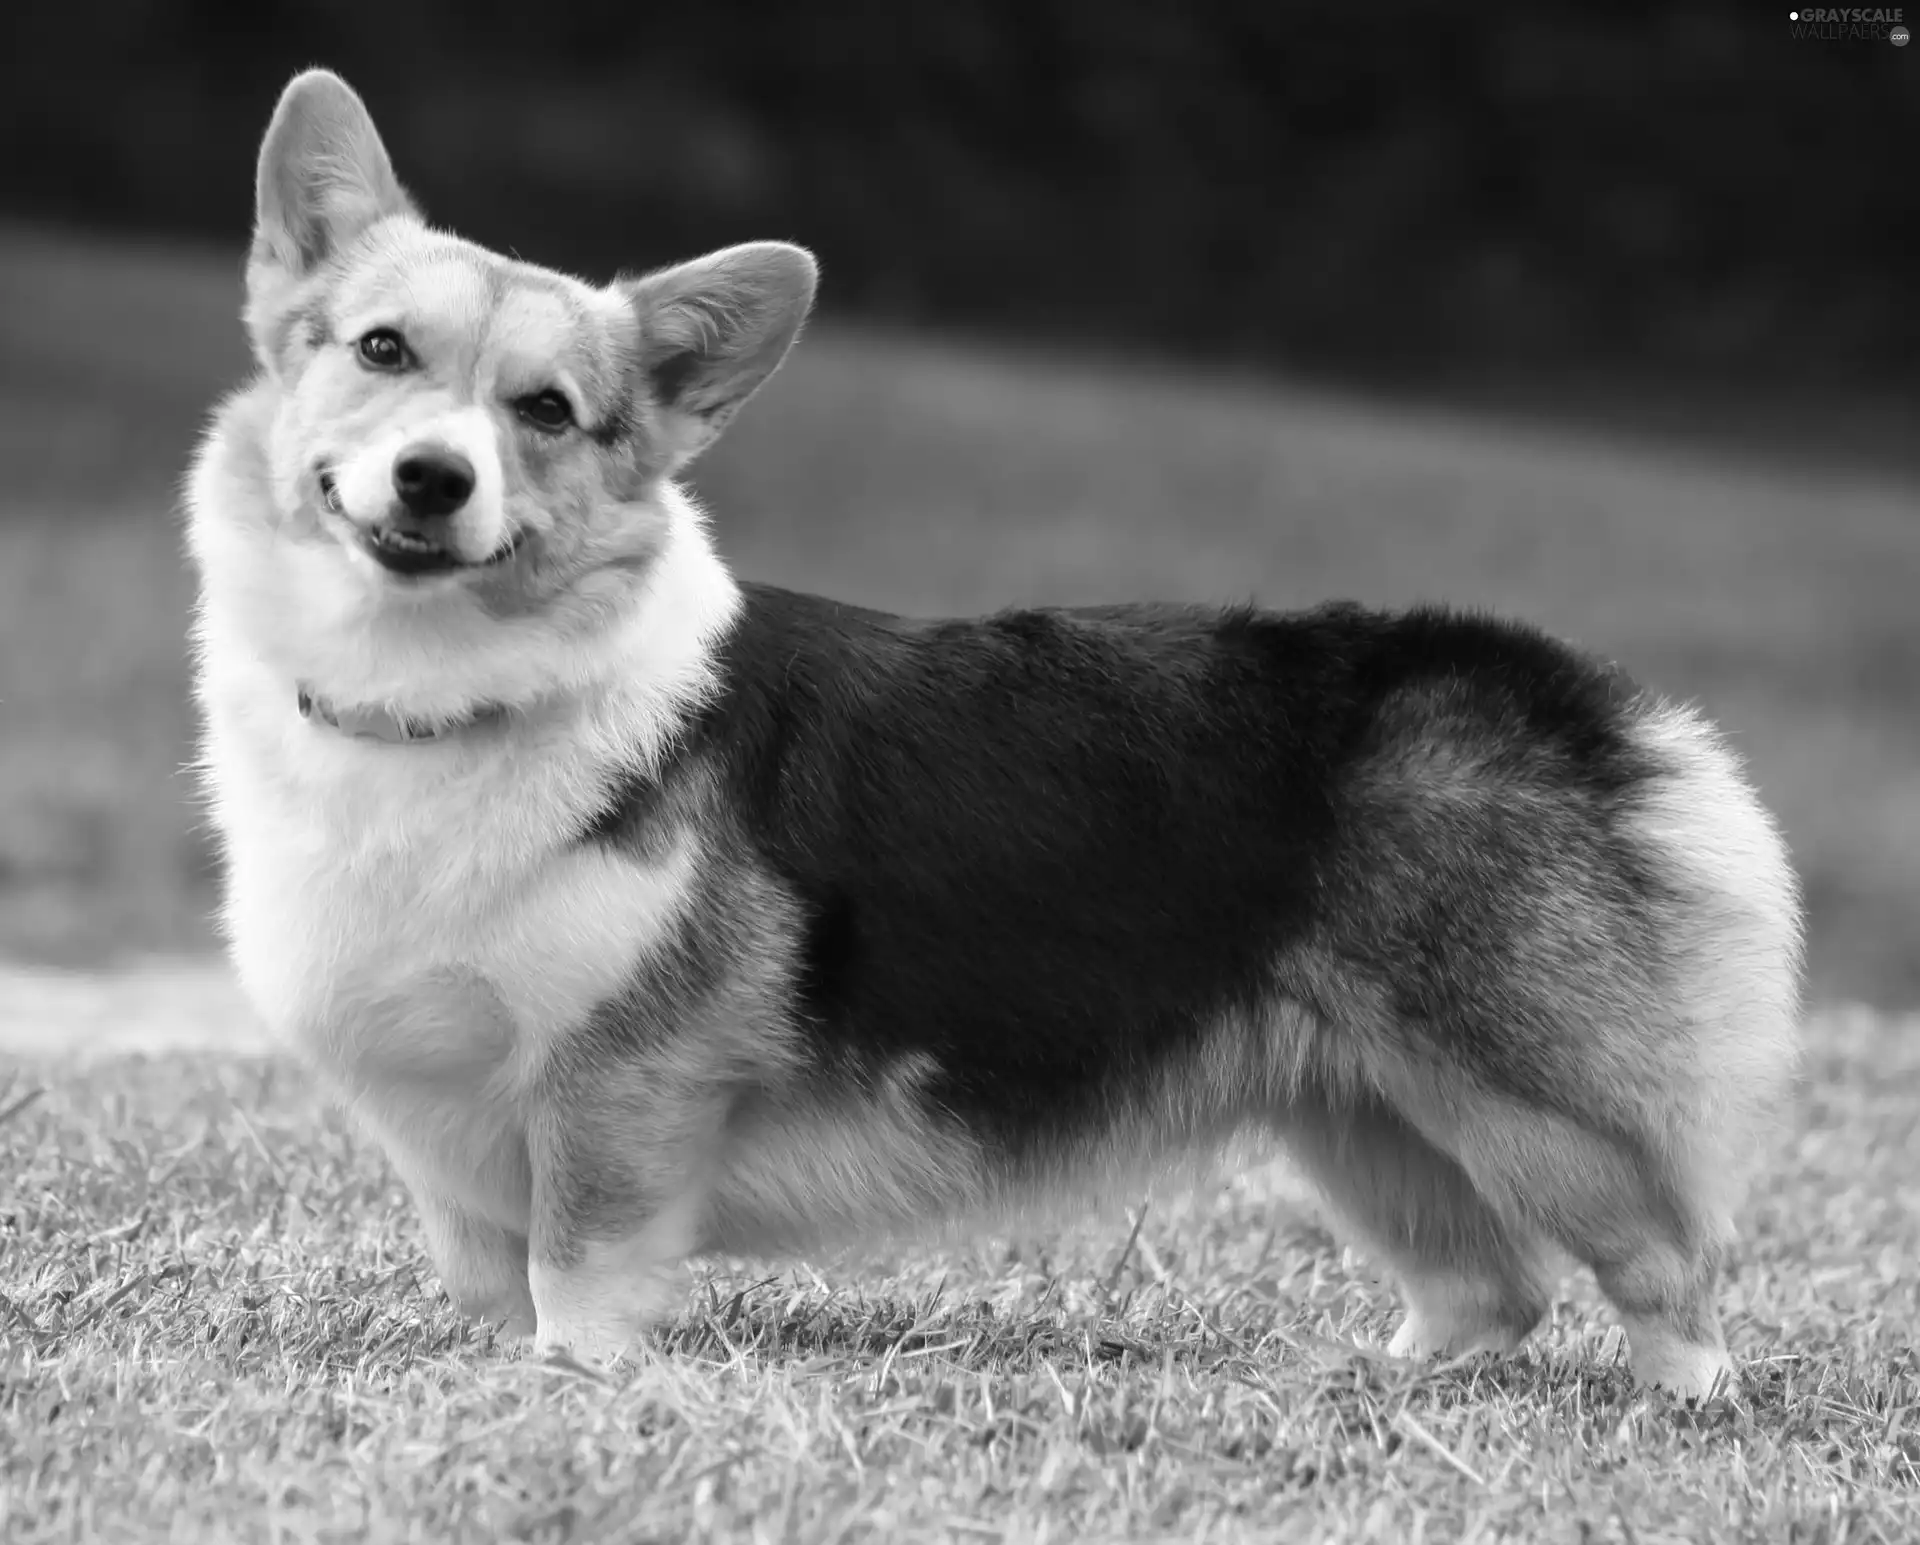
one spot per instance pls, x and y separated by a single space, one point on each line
1663 1088
1653 1236
1471 1281
1629 1151
1637 1176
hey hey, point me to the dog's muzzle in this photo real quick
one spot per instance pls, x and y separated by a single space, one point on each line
416 537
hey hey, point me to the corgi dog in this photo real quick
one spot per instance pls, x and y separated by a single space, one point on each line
642 913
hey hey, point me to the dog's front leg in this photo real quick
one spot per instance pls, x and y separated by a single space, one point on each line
618 1202
482 1266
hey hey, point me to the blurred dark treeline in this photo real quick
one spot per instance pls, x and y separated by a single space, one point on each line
1386 185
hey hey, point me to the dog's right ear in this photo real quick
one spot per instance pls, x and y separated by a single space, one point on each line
324 177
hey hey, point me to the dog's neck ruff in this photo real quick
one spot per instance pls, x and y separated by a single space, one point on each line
382 724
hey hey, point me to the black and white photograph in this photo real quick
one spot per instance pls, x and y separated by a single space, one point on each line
987 772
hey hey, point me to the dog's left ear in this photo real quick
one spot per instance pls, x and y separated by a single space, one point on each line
324 177
712 331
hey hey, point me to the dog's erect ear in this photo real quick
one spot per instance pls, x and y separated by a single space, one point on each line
713 330
324 177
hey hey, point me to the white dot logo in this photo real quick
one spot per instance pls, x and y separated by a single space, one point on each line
1793 16
1898 37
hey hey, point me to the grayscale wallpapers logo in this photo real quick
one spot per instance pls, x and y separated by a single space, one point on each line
1851 24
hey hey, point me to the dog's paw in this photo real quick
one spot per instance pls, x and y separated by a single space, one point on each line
592 1346
599 1308
1420 1339
1455 1319
1417 1340
1674 1358
1690 1373
510 1318
514 1326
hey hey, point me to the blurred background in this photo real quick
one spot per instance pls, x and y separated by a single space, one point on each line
1591 314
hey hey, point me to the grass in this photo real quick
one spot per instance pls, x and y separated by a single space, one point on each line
1776 589
216 1324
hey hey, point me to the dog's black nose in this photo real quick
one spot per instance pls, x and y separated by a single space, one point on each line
432 480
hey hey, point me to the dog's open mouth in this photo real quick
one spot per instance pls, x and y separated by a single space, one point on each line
402 551
409 552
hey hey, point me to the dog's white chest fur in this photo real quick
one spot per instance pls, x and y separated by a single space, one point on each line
422 922
411 867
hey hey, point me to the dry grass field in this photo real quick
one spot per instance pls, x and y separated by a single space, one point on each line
216 1324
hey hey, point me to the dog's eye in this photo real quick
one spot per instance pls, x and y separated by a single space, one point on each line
383 349
547 410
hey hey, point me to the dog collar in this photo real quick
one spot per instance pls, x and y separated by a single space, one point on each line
384 725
